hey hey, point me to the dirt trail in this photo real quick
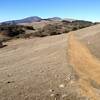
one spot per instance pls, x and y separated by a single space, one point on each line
86 65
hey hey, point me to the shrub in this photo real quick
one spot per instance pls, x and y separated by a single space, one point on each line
1 44
29 27
11 30
74 29
52 29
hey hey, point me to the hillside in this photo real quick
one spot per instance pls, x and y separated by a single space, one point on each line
40 29
40 69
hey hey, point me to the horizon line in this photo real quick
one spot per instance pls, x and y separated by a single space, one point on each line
47 18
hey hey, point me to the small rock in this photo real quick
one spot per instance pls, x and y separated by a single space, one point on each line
71 82
51 90
61 86
57 96
9 75
56 76
52 95
10 81
64 95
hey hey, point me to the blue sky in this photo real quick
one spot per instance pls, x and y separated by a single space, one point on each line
77 9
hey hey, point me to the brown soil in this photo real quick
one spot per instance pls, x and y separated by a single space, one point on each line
38 69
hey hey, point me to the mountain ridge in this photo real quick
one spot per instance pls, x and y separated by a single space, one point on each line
35 19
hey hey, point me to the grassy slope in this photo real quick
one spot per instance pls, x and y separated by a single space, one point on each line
30 68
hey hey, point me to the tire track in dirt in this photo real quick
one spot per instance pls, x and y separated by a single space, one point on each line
86 66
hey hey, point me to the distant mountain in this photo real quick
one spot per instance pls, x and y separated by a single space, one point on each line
69 19
54 19
34 19
30 19
25 20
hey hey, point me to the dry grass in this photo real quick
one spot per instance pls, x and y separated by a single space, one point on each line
86 65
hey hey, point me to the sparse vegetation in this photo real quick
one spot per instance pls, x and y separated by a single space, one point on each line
13 31
62 27
10 31
75 25
1 44
50 29
29 27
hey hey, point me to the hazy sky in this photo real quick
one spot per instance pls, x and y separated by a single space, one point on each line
77 9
